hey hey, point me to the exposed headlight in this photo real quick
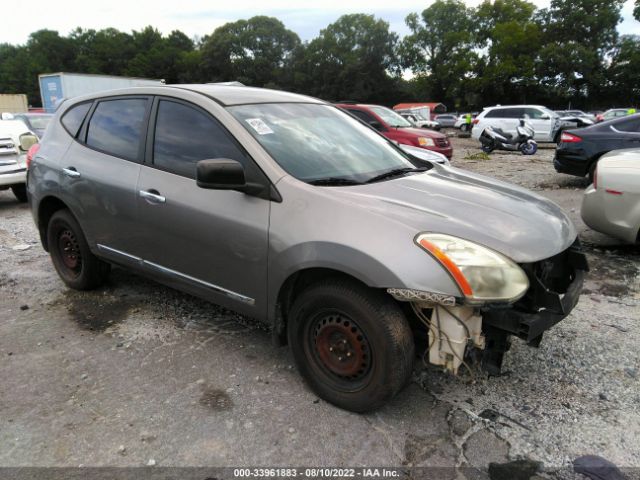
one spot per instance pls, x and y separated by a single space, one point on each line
426 142
482 274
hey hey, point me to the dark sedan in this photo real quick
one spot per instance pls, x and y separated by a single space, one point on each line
579 149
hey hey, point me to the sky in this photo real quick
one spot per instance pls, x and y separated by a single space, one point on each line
198 18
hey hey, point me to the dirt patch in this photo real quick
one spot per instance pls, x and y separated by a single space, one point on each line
613 270
216 399
96 313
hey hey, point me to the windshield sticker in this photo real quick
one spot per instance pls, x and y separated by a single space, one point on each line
259 126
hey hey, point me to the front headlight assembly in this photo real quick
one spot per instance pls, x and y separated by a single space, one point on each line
482 275
426 142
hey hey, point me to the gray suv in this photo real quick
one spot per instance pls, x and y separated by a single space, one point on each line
287 209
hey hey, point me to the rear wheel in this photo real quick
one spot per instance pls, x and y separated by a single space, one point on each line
528 148
353 345
592 171
77 266
20 192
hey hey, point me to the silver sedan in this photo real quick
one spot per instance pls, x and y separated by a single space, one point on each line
612 204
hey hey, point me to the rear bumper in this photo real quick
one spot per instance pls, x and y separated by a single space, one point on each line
555 287
13 177
571 163
594 214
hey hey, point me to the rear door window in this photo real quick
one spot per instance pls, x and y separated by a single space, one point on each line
495 113
364 116
73 118
184 135
117 126
534 113
630 125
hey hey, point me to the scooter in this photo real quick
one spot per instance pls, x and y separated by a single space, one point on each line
496 139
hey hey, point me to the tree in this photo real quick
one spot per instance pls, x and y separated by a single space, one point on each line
254 51
624 72
107 51
636 11
159 57
353 58
580 35
439 50
507 33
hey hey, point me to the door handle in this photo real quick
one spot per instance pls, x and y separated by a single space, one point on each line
71 172
152 196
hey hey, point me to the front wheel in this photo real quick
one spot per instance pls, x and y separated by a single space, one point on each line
20 192
353 345
529 148
77 266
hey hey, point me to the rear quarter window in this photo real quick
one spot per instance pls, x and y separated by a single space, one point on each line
116 127
73 118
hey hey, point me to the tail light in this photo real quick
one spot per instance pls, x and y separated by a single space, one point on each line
599 117
475 121
32 153
569 138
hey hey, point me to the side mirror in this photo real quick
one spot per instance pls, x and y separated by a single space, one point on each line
224 174
377 125
544 116
27 140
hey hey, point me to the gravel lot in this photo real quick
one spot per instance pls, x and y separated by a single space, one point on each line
136 374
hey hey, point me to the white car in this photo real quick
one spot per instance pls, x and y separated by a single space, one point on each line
15 141
611 204
423 154
414 116
461 122
545 123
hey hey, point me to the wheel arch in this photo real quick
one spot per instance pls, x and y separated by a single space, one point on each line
46 208
283 297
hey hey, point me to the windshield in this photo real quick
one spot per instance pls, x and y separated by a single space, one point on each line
315 142
390 117
39 121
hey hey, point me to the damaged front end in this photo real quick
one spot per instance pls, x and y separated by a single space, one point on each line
461 329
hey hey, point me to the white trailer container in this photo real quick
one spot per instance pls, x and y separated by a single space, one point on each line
55 87
13 103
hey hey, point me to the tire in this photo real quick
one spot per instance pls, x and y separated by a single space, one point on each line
77 266
528 148
487 147
353 345
464 127
20 192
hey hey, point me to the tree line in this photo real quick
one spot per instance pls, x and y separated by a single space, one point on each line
503 51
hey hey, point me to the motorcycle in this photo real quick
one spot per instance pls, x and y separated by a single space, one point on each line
496 139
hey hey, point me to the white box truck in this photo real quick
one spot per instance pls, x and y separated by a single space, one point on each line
55 87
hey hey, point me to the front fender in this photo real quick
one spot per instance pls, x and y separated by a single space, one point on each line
358 264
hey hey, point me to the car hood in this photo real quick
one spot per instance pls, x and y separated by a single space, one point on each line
511 220
420 132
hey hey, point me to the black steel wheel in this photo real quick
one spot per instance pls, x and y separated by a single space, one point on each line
352 344
77 266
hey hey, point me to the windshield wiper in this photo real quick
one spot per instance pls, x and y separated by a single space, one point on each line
395 173
330 181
